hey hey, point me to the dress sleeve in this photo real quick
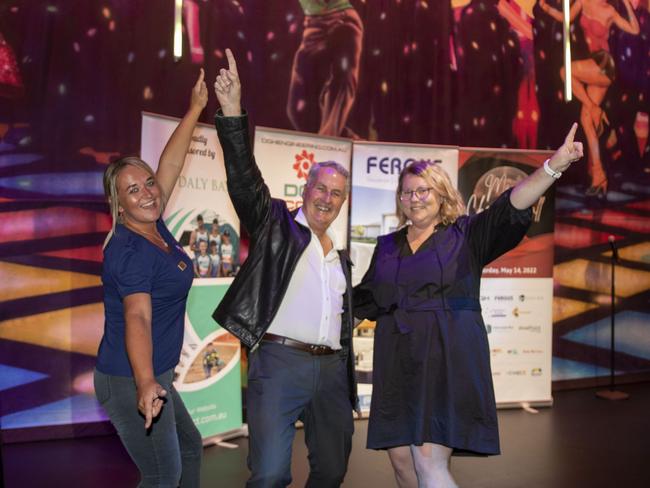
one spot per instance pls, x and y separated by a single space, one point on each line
132 271
498 229
365 306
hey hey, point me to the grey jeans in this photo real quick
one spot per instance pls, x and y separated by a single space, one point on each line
169 453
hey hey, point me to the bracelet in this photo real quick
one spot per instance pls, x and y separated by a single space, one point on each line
550 171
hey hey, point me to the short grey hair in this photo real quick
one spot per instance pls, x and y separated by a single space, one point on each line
313 173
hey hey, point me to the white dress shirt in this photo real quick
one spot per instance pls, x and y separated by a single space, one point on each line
313 304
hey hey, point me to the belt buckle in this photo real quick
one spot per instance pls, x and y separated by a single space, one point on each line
316 350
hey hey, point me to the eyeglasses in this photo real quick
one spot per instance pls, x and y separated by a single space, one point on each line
421 193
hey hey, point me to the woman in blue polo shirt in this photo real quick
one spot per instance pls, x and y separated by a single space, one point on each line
146 277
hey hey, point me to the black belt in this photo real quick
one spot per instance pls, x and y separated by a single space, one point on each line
313 349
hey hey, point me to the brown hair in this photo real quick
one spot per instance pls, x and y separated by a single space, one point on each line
451 203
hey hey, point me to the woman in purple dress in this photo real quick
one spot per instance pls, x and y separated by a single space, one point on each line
432 385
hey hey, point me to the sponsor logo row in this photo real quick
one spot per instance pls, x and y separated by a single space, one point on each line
501 312
491 328
518 372
516 351
512 298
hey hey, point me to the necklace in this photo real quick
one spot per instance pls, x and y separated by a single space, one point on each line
156 238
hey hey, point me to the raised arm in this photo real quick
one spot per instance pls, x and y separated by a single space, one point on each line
249 194
558 15
173 156
630 26
139 348
528 190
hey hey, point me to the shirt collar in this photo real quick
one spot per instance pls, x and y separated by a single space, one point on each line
331 233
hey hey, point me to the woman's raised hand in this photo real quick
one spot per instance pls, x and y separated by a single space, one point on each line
199 98
569 152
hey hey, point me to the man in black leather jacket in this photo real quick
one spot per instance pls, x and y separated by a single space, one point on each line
290 305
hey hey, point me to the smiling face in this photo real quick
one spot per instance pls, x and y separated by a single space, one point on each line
422 212
323 198
139 196
203 248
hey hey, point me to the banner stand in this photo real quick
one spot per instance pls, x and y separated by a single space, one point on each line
220 440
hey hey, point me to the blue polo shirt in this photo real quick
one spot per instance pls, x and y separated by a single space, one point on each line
132 264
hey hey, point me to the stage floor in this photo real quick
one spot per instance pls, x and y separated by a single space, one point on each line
580 441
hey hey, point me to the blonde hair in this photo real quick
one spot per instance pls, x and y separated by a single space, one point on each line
110 188
451 203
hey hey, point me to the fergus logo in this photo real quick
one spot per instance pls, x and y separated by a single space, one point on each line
391 165
304 161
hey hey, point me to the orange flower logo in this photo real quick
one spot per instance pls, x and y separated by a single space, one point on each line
304 161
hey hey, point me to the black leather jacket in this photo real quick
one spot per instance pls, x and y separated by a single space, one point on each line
277 242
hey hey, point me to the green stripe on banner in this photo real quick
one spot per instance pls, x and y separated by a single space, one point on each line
181 222
201 302
170 219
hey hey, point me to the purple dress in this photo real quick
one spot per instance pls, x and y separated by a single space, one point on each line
431 371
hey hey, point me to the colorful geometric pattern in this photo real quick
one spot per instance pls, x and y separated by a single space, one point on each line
582 277
51 319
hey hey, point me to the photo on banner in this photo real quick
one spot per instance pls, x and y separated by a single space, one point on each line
517 288
201 217
375 173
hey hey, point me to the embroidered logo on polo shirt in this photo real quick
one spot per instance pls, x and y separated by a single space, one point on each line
182 265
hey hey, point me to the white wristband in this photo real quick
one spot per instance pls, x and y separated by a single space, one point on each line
550 171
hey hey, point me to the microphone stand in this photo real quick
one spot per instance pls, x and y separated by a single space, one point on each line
612 393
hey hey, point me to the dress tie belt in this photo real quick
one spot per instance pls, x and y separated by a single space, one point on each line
401 312
313 349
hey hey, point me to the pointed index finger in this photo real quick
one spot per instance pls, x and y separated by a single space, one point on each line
200 80
232 64
148 414
572 132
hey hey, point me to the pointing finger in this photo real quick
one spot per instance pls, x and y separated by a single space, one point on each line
200 80
571 134
232 64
